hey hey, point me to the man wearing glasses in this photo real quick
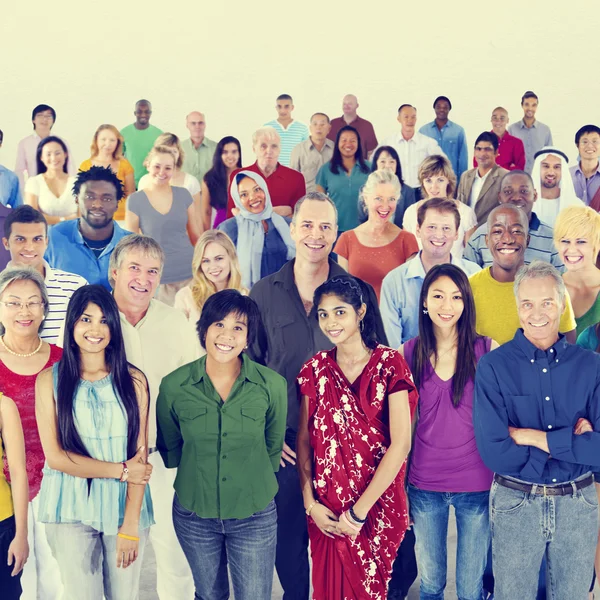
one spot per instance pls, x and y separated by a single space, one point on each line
479 187
84 245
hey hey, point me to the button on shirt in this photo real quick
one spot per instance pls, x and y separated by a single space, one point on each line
290 137
453 141
10 193
534 138
400 293
226 453
519 385
585 189
197 161
308 160
412 153
541 246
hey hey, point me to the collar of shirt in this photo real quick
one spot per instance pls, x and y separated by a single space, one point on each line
203 143
77 237
328 144
533 353
578 169
415 269
147 318
482 179
523 126
248 371
285 275
276 174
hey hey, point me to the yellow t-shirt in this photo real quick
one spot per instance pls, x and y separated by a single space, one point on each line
496 308
6 503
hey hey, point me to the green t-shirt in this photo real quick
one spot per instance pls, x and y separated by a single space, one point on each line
138 142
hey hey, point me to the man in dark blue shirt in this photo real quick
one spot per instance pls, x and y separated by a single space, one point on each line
537 421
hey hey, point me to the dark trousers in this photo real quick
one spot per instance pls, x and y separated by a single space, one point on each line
291 559
10 587
405 566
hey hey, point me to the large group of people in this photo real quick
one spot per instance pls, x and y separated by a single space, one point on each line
328 347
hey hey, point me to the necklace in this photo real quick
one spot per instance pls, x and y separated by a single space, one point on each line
16 353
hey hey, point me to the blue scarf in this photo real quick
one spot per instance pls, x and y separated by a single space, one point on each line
251 233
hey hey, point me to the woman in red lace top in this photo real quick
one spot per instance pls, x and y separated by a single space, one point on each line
23 307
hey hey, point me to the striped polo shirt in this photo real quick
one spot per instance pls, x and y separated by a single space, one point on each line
541 246
290 137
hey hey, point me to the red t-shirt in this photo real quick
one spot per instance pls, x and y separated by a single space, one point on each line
511 153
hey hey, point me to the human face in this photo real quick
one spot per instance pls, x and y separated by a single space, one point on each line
444 303
386 162
499 122
349 104
381 205
485 154
142 114
284 109
136 278
161 168
215 265
23 321
98 203
436 186
27 244
338 320
530 106
196 124
589 146
230 155
43 121
314 231
53 156
551 171
577 253
252 196
518 191
437 234
319 127
507 238
441 108
539 309
91 332
226 339
107 142
348 144
267 151
407 117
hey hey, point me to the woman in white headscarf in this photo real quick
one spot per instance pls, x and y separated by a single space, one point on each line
553 184
261 236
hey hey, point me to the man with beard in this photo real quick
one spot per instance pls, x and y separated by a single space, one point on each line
84 245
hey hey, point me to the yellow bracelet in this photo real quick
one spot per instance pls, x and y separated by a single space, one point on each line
128 537
312 505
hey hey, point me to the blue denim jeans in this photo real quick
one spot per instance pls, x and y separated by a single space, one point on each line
430 512
527 527
248 545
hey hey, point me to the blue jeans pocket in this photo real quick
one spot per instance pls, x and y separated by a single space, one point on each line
506 500
588 497
181 510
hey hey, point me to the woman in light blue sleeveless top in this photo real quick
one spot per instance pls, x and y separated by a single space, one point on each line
92 413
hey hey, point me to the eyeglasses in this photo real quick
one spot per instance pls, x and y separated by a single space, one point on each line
33 306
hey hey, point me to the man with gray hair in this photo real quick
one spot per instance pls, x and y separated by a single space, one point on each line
158 339
285 185
536 415
198 149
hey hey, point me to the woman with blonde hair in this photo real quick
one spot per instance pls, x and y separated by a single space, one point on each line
438 180
106 150
215 267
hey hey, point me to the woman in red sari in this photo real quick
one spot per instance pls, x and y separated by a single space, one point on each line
353 440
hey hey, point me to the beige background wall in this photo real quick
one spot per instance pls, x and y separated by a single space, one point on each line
92 60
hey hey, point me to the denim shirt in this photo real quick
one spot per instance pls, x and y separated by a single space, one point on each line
453 141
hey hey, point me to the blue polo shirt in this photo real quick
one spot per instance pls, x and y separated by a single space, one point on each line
68 252
453 141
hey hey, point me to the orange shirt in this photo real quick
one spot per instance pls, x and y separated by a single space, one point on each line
373 264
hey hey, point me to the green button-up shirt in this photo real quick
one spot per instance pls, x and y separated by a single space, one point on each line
226 453
197 161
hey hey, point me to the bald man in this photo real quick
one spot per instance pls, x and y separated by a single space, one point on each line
365 129
198 149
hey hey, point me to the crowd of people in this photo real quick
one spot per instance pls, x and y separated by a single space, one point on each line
329 346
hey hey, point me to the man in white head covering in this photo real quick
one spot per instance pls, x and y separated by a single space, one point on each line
553 183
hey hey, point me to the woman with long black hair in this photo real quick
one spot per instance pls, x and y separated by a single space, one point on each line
92 413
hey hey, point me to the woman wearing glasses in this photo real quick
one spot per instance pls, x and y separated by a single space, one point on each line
23 354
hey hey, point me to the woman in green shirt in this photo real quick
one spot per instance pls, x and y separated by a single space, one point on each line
221 423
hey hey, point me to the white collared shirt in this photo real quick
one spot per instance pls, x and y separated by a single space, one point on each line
477 186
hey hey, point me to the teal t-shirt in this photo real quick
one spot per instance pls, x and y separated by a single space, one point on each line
138 142
588 339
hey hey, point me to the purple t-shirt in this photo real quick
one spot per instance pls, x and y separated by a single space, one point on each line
445 456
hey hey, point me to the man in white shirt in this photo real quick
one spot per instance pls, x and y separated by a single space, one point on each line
26 238
309 156
412 147
158 339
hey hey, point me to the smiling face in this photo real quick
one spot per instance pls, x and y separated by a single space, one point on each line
43 121
530 106
25 321
142 113
252 196
507 238
518 190
551 171
107 142
540 309
437 233
442 109
98 203
53 156
485 154
499 121
161 168
216 265
348 144
314 231
436 186
230 155
136 279
381 204
337 319
385 161
577 253
444 302
589 146
226 339
407 117
27 244
91 332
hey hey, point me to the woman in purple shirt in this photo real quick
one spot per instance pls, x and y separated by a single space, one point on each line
446 469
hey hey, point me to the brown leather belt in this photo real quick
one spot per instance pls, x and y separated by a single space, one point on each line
562 489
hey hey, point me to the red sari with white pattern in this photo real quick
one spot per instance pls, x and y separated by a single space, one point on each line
349 432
